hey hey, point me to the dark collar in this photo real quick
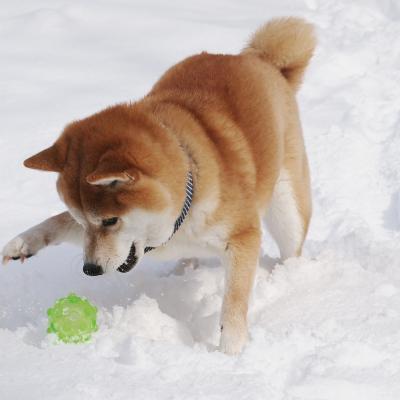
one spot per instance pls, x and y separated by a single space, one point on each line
185 208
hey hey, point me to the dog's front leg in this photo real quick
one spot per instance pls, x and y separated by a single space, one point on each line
241 259
55 230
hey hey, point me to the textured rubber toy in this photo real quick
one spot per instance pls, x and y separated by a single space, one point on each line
72 319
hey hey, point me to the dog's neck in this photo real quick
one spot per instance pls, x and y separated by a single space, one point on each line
189 190
185 209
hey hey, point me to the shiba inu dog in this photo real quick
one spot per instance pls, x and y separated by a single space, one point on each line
192 169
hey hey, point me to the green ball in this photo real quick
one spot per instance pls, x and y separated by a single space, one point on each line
72 319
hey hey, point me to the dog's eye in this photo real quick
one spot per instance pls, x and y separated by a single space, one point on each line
109 221
113 183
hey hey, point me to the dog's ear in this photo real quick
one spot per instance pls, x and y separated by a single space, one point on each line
47 160
111 170
107 178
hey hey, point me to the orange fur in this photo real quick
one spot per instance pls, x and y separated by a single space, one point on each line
230 119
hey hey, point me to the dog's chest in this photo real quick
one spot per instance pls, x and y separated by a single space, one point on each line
196 238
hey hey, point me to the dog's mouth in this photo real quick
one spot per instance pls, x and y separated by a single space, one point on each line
130 261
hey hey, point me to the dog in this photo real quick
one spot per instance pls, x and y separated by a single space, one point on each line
191 170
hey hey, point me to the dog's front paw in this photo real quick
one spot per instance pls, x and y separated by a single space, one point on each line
233 338
21 247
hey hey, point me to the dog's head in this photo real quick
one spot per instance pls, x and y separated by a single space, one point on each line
122 176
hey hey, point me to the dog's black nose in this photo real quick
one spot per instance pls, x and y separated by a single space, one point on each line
92 269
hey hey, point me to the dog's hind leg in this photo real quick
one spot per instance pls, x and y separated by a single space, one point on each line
289 210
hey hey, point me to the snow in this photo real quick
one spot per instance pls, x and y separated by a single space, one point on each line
324 326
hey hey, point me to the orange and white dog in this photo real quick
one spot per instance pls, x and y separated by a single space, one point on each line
190 170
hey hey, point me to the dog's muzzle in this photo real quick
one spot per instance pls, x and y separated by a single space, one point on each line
95 270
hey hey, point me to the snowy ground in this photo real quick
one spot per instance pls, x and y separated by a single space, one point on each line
326 326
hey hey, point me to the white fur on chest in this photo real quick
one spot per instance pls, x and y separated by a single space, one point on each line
196 237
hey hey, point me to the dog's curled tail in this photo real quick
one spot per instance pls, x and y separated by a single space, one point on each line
288 44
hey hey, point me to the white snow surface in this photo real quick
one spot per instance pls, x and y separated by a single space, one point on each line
324 326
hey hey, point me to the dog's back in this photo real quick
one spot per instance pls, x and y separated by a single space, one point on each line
246 106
